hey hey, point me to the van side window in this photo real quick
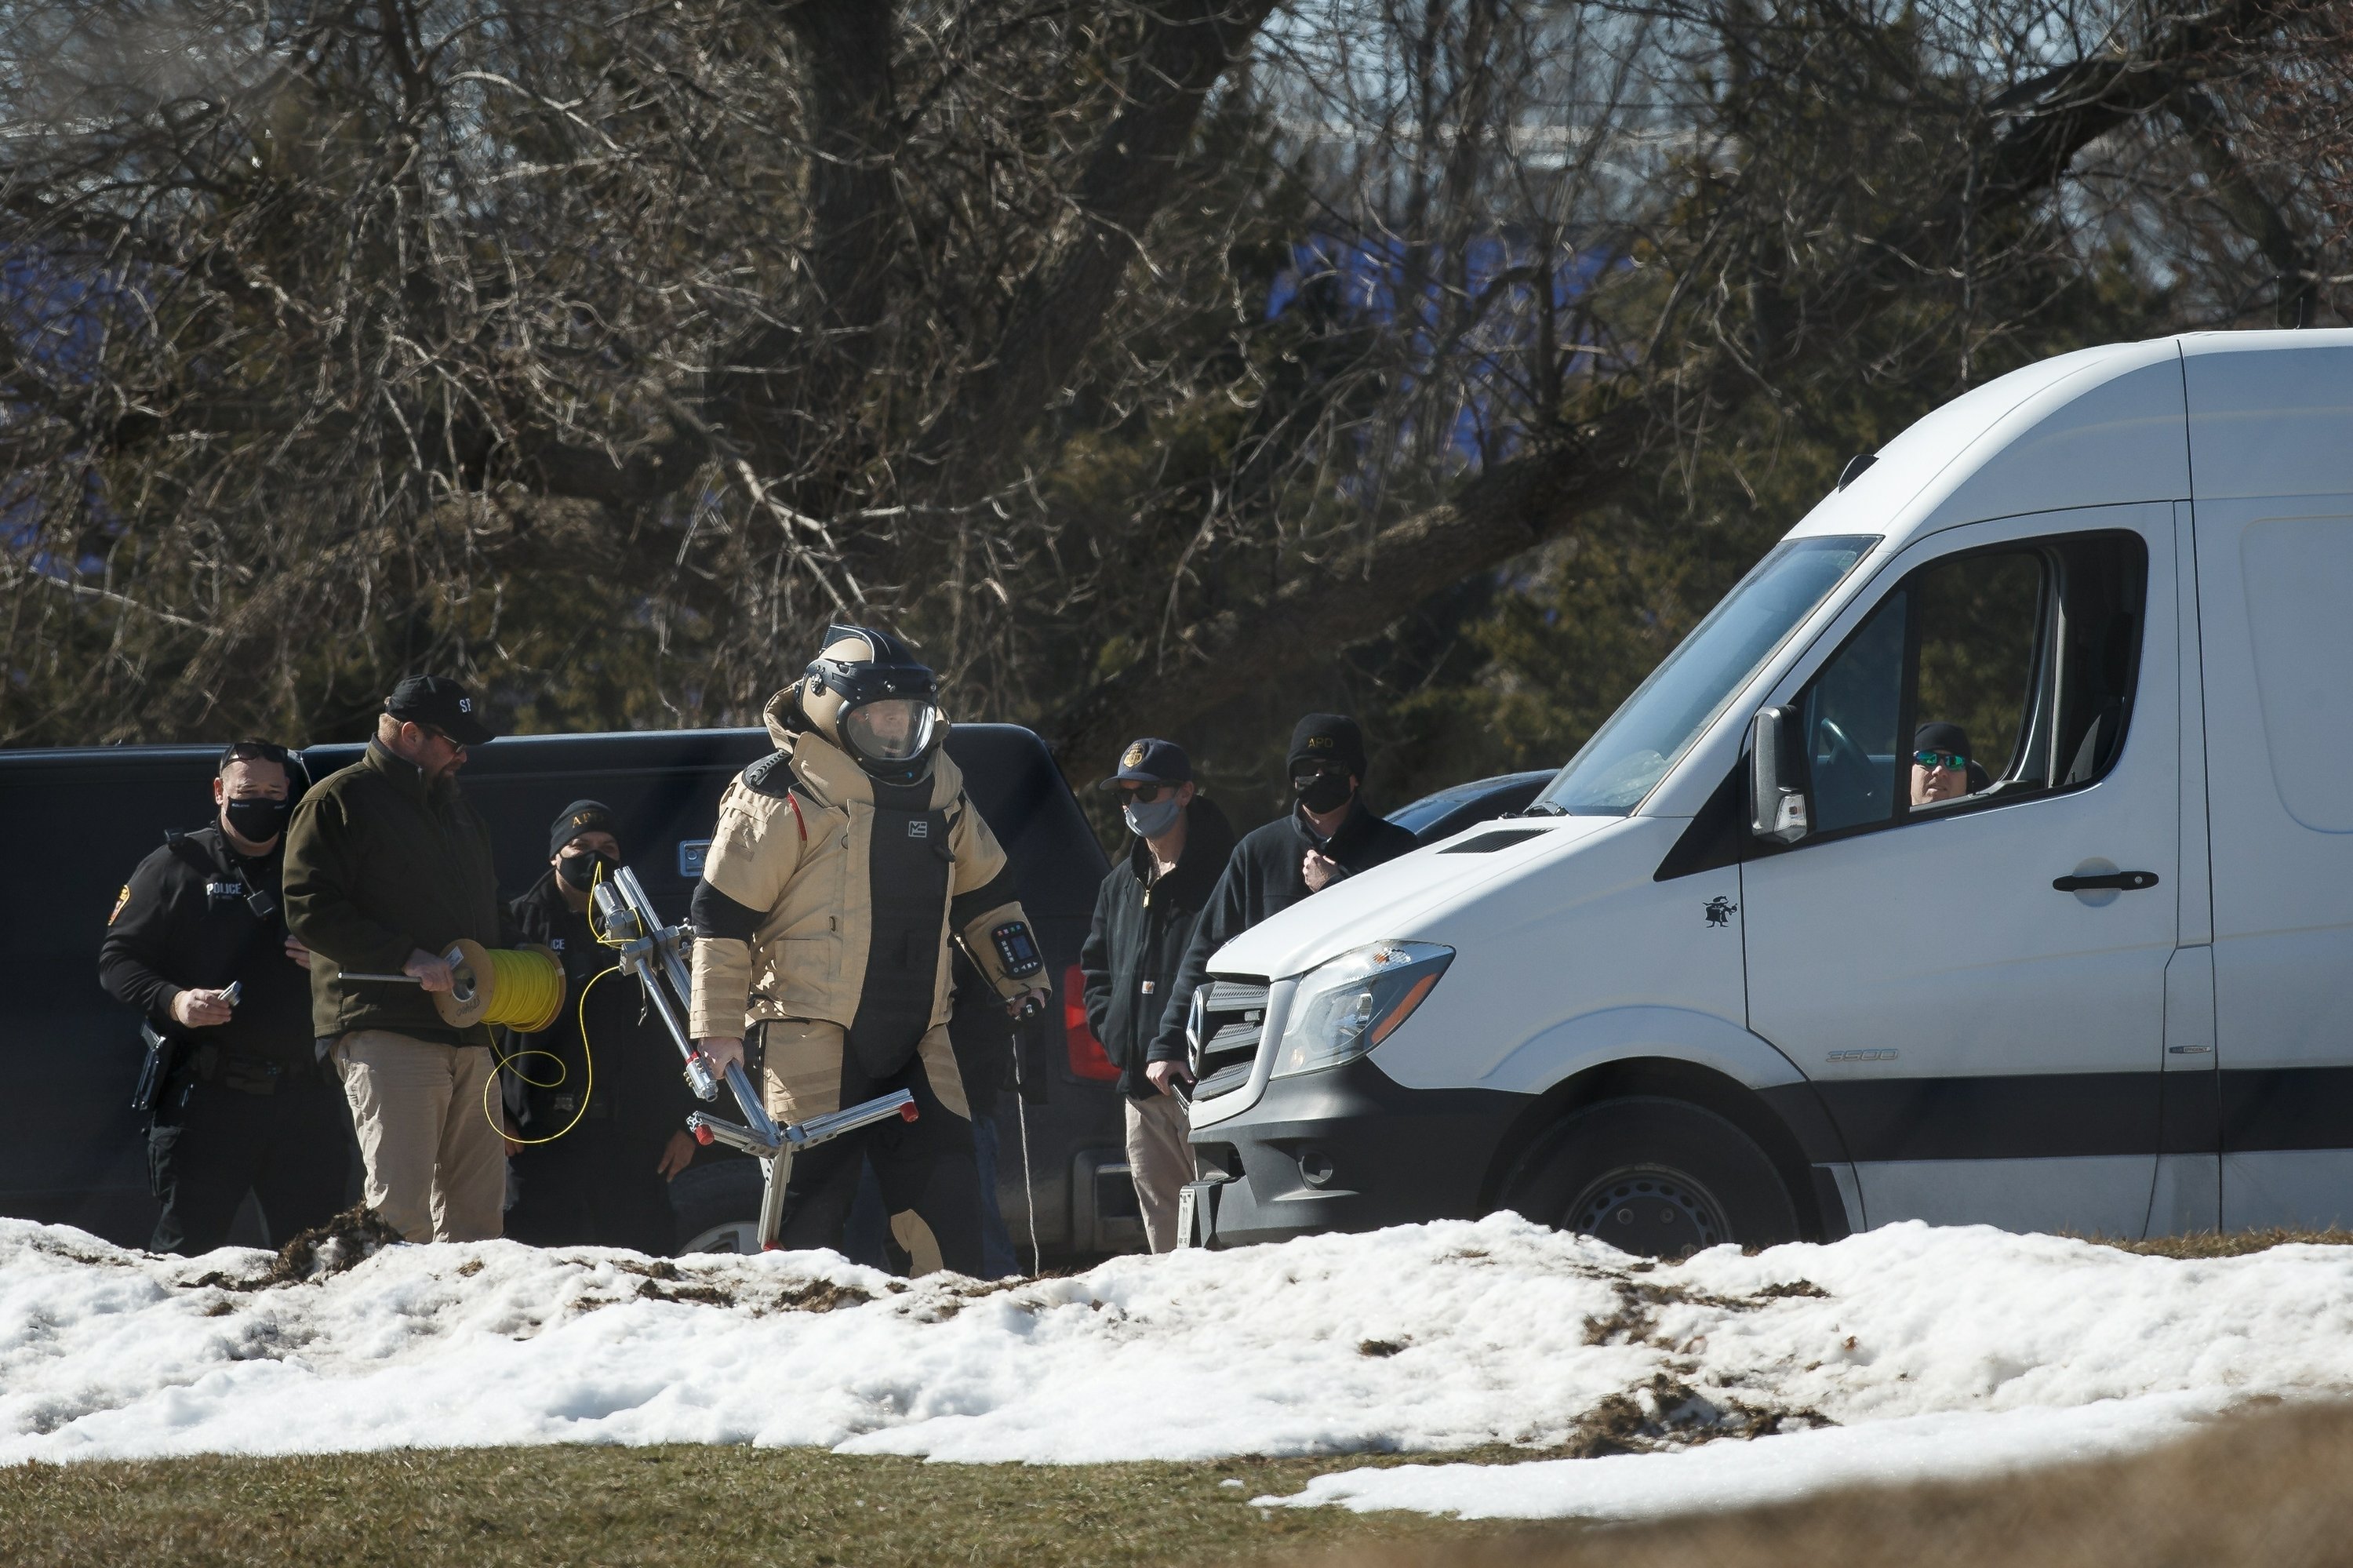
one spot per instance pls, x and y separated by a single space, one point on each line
1851 715
1984 677
1981 628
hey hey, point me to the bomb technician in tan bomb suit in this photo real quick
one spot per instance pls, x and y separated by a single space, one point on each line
840 868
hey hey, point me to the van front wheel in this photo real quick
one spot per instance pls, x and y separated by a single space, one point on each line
1656 1176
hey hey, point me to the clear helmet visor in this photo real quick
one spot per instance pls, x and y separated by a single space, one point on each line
891 730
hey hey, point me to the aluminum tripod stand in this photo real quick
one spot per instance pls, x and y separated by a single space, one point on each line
657 955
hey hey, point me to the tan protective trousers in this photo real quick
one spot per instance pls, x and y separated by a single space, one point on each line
801 1066
1159 1161
930 1187
437 1169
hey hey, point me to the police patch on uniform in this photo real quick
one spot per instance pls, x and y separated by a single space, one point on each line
1135 758
120 899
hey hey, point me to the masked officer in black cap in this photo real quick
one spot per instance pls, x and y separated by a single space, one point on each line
600 1126
1144 914
197 943
1330 835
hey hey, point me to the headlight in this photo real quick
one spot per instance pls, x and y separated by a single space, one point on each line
1348 1005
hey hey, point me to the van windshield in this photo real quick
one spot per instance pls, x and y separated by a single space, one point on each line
1631 753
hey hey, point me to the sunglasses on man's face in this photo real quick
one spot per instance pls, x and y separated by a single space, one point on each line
444 737
1952 761
1144 794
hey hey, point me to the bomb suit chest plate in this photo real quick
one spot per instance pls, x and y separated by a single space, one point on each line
907 875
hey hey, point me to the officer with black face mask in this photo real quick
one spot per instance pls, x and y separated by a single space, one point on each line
1144 913
597 1131
1331 834
197 943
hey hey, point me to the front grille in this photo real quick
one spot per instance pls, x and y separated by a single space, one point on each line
1231 1016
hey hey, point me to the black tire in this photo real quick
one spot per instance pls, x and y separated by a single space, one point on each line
1656 1176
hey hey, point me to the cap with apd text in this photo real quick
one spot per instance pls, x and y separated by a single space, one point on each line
580 817
440 702
1150 761
1327 737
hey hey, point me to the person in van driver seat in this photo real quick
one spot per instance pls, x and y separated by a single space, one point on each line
1942 769
197 942
839 869
1330 835
601 1123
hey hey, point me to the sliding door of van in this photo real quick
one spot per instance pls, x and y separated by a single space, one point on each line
2271 452
1968 951
2275 584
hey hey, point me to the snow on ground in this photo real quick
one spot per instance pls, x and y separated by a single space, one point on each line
1915 1350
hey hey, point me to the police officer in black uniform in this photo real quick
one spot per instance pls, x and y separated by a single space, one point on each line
598 1132
197 942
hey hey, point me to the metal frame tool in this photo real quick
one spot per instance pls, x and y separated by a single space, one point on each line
657 956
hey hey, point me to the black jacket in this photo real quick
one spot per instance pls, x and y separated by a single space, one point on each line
1138 940
1262 878
639 1080
379 866
185 922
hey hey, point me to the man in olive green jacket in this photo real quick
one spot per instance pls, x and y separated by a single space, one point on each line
387 867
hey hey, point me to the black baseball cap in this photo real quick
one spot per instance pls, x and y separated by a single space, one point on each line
440 702
580 817
1327 737
1150 761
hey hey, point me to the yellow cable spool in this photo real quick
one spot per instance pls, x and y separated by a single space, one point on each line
520 988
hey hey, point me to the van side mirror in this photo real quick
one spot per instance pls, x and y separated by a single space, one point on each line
1776 811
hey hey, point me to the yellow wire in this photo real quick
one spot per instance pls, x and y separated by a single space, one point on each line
588 1071
561 1068
587 1057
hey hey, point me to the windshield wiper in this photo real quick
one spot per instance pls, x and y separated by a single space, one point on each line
1542 808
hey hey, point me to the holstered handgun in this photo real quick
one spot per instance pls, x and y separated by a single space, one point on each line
153 1069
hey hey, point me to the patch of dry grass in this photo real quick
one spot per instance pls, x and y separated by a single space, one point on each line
2273 1488
2236 1243
675 1505
2266 1489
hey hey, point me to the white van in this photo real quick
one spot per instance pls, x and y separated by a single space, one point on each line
1725 980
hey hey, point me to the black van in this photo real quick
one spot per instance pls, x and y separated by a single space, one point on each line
72 1151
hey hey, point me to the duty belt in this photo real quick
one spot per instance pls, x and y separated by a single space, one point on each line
235 1070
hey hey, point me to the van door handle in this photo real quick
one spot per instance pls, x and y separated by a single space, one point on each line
2123 881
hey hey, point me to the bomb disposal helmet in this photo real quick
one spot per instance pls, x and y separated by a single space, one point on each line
866 692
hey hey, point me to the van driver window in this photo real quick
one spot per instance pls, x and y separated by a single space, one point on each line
1991 675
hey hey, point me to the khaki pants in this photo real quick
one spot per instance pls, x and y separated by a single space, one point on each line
437 1169
1159 1161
